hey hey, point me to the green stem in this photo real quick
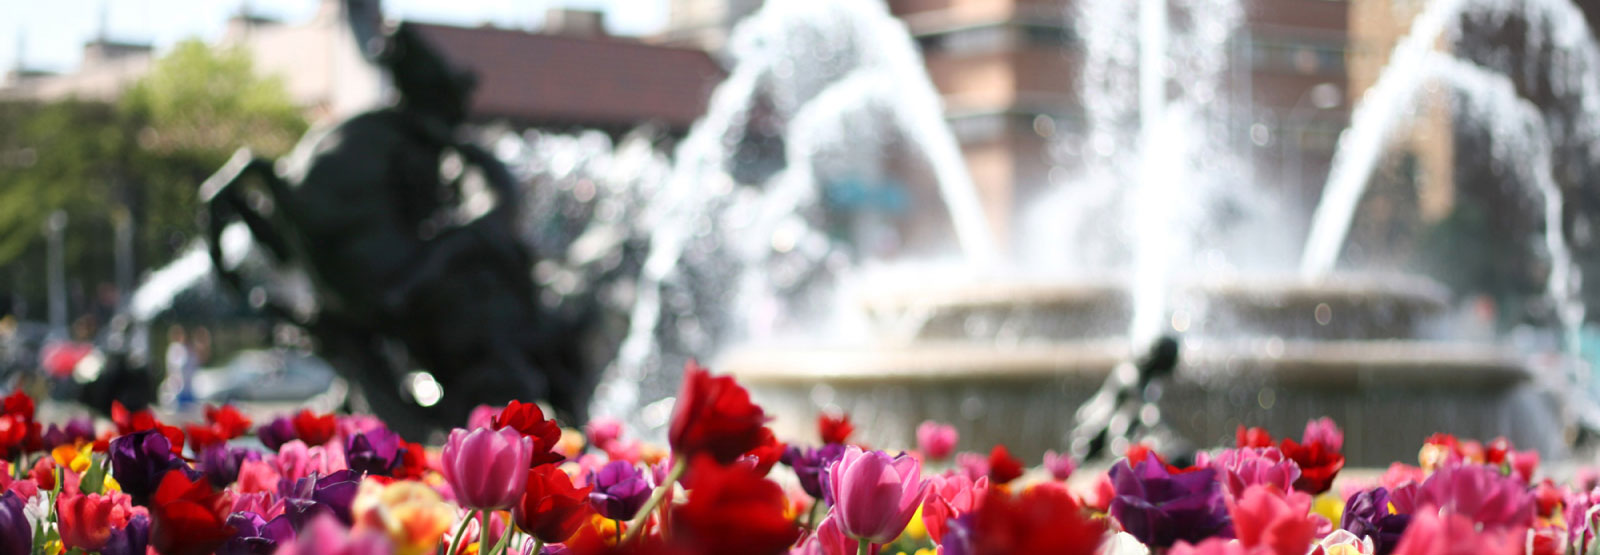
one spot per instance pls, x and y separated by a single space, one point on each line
636 526
811 514
538 545
865 548
483 532
455 541
505 540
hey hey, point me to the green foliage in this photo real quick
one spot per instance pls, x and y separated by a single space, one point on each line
142 157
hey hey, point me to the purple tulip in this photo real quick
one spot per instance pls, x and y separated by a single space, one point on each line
1159 508
875 495
325 536
277 433
313 495
16 536
131 539
487 469
619 490
374 452
809 465
958 538
1366 514
257 536
140 459
220 463
77 429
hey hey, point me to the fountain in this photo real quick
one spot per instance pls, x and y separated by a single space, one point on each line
731 250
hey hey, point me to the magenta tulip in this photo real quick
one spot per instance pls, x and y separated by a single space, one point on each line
875 495
487 469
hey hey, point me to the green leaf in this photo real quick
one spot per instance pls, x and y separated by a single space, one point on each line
94 479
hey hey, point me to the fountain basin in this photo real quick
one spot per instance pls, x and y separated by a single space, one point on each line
1012 363
1343 307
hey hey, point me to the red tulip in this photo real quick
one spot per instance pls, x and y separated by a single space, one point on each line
18 403
714 416
835 429
188 517
528 420
1318 465
551 510
227 421
1252 437
312 429
1003 468
765 455
733 510
201 437
1044 519
86 521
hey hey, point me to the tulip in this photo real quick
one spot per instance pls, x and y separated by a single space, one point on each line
16 535
1264 516
1323 431
809 464
86 521
936 441
1247 466
188 516
602 431
1060 466
313 429
1003 468
1161 508
374 452
140 460
1215 546
412 515
1044 519
277 433
1433 533
1366 514
1251 437
315 495
834 428
220 463
619 490
875 495
1479 493
256 535
733 511
325 536
552 509
714 416
132 539
528 420
949 497
487 469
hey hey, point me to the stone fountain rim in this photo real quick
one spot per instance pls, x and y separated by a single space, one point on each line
1385 364
1023 292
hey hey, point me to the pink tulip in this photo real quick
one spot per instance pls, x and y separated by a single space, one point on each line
950 497
972 464
1241 468
488 469
1432 533
1059 465
1324 431
602 431
1479 493
1264 516
875 495
262 503
936 441
257 477
482 416
325 536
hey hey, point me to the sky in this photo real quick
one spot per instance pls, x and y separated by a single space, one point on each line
52 32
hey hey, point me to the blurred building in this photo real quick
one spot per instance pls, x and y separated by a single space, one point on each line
569 74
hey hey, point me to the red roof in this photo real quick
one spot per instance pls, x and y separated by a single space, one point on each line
594 81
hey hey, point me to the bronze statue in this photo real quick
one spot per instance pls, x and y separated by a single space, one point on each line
400 284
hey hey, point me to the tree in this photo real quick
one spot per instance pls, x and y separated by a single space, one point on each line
143 156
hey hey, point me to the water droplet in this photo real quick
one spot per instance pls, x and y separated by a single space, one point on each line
1324 314
1266 398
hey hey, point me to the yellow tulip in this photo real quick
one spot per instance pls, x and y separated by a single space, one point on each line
412 514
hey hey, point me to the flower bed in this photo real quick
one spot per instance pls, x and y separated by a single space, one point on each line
513 481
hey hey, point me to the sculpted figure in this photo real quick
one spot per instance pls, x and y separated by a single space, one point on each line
403 281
